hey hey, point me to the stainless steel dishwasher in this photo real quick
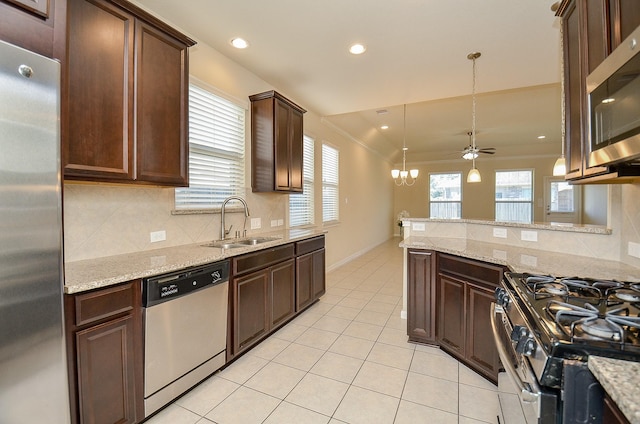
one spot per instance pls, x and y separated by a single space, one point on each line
185 321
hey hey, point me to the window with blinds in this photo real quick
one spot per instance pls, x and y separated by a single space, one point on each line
301 204
330 166
216 151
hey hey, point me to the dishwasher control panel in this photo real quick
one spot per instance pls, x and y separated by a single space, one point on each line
169 286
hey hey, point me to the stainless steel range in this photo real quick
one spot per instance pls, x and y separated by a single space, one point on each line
545 329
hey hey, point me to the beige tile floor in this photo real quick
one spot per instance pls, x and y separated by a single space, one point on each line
344 360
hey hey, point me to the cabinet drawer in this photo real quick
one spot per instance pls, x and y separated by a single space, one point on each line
470 270
305 246
262 259
100 304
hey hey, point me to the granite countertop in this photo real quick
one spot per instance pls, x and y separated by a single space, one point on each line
521 259
553 226
620 380
91 274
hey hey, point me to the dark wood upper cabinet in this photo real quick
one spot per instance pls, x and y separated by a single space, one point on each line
125 94
276 143
36 25
592 29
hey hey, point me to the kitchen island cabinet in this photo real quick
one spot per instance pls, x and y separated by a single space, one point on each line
125 94
421 307
465 291
104 347
276 143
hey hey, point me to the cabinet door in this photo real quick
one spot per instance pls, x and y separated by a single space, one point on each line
318 286
451 314
33 24
161 101
105 359
97 137
573 93
283 293
304 281
624 17
251 315
282 149
295 148
480 347
421 296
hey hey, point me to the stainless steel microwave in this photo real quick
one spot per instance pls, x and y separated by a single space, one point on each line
613 90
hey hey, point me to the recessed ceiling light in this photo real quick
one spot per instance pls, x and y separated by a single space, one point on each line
357 48
542 137
384 127
382 111
239 43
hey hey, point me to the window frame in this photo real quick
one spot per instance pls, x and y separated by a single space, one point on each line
458 202
330 185
211 151
531 171
308 189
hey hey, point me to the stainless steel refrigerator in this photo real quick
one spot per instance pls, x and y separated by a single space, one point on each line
33 373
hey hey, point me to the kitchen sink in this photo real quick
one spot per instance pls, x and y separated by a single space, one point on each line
237 243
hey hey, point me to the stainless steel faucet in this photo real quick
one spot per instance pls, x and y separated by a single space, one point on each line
223 230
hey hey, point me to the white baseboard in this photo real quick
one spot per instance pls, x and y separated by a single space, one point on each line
352 257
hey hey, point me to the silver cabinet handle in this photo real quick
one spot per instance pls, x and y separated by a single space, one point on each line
526 394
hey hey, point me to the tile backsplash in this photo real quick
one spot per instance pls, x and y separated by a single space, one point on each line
105 220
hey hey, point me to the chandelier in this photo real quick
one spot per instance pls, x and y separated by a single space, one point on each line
474 174
401 177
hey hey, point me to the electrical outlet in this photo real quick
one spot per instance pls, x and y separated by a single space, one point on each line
634 249
156 236
529 260
500 232
500 254
256 223
418 226
280 222
529 235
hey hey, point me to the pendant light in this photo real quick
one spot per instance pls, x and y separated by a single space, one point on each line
474 174
560 167
400 177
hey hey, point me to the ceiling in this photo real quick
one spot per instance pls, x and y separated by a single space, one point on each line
416 55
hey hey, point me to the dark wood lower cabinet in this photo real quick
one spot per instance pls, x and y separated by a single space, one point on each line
448 303
611 414
283 293
421 296
310 278
106 383
250 315
104 347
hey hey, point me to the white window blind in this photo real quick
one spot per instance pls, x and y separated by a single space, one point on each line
301 204
216 151
330 166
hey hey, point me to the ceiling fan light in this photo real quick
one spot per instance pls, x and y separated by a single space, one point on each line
560 167
469 155
474 176
414 173
395 173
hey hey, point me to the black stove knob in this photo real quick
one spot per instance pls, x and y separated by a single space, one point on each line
502 298
529 347
519 333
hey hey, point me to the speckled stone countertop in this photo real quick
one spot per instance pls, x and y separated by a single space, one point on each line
91 274
620 380
553 226
521 259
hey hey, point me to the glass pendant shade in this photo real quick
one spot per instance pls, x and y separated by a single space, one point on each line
414 173
395 173
560 167
474 176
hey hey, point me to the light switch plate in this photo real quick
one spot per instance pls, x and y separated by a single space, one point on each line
528 235
156 236
256 223
500 232
280 222
274 222
634 249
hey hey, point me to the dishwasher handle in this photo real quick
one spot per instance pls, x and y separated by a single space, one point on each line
165 287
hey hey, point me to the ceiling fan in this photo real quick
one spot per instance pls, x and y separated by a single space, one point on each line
470 152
